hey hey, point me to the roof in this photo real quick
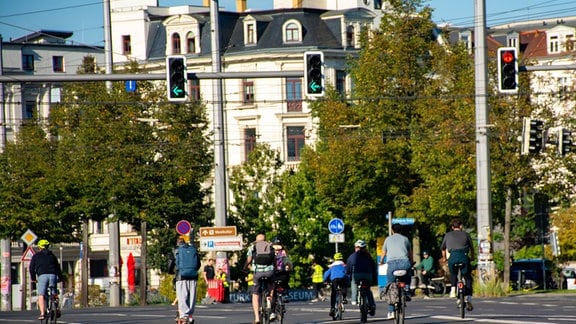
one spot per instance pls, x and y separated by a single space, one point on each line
51 36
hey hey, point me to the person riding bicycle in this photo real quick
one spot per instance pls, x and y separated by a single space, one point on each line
336 274
283 266
426 267
459 244
261 269
397 251
44 266
361 267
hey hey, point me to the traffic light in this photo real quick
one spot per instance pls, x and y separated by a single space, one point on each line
507 70
176 77
532 136
564 142
314 73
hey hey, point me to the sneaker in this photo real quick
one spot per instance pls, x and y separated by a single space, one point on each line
315 300
354 303
344 301
372 310
469 306
331 314
458 303
390 315
426 297
452 292
272 317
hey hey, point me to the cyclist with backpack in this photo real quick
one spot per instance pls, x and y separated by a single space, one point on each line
187 266
361 267
261 258
282 268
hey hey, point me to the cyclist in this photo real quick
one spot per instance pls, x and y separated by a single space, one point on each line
260 271
459 244
361 267
44 266
398 253
336 274
283 266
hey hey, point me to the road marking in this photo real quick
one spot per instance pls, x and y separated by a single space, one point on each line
486 320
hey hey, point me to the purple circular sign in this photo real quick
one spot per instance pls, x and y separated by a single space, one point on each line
183 227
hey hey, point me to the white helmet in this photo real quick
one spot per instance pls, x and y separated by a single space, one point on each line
360 244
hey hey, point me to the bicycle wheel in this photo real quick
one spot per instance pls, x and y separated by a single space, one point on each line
461 299
339 307
363 307
400 309
264 310
280 309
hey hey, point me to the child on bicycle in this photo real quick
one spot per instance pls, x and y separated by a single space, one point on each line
336 274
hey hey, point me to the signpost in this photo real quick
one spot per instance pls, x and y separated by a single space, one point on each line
336 228
217 231
221 243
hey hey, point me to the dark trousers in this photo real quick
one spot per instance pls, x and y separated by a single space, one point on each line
460 256
340 282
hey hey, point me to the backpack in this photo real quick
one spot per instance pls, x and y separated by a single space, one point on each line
391 295
187 262
263 253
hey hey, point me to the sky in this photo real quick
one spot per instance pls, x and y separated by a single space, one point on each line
85 19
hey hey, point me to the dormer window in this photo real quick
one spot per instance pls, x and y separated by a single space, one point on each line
512 39
292 32
466 38
569 43
176 48
553 44
250 33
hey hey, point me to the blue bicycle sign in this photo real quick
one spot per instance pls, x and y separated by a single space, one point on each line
336 226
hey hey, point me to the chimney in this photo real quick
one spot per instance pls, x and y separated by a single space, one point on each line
240 5
206 3
297 3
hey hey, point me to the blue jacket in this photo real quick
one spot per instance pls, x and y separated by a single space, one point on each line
336 270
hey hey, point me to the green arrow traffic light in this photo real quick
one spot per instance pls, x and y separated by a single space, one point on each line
176 77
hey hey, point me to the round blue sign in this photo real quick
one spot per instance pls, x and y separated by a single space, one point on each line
336 226
183 227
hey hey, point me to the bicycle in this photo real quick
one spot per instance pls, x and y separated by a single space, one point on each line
265 305
363 302
280 301
339 305
461 286
52 306
437 287
400 306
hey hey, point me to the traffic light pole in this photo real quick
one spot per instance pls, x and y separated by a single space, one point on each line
483 198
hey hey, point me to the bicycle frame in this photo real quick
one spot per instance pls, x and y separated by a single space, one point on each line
280 307
339 309
400 307
52 305
461 287
363 300
265 302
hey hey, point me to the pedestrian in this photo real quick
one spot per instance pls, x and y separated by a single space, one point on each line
426 267
44 266
397 251
223 278
336 275
318 281
260 258
459 244
209 272
361 267
187 266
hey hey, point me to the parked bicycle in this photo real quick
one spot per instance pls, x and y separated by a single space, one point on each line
52 306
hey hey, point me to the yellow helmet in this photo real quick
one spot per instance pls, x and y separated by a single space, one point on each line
43 244
338 256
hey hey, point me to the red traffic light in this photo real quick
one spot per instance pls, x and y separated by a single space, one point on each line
507 57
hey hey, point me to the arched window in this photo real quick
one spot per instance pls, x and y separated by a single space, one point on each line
191 43
176 48
292 32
